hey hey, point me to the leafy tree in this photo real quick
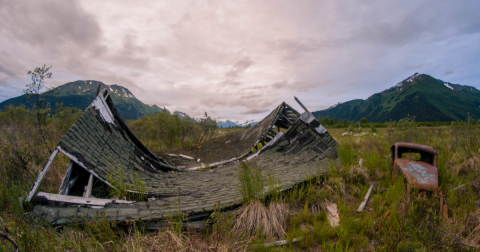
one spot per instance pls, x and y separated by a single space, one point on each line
208 127
363 120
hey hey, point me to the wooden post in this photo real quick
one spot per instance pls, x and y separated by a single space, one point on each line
40 176
306 110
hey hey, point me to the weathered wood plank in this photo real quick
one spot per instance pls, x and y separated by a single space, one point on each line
364 201
70 184
77 200
182 156
66 179
41 175
272 132
88 189
301 104
281 243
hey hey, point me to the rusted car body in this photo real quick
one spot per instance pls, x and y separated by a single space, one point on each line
421 173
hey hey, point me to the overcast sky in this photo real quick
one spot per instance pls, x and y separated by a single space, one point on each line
240 59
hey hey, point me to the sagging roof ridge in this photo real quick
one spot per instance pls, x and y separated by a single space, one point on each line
268 123
124 126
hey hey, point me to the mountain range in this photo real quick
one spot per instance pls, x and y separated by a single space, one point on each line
222 123
228 123
420 96
79 94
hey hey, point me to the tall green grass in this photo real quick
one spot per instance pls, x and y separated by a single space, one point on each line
252 184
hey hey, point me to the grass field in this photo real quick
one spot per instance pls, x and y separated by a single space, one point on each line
295 215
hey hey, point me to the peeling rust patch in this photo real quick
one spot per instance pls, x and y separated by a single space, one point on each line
421 173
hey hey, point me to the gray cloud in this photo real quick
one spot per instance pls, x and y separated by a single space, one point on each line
253 111
239 59
300 86
447 72
55 26
239 67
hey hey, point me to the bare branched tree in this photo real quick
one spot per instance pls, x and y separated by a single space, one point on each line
36 89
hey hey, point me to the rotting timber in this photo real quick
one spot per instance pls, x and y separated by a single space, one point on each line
102 149
235 146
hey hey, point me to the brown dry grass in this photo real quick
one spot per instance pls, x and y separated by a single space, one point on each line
471 227
255 219
191 240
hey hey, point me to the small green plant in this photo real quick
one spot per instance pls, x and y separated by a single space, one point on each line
346 155
221 224
251 181
133 190
177 220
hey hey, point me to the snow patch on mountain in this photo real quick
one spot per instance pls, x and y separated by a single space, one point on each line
181 114
412 78
225 123
399 86
448 86
127 93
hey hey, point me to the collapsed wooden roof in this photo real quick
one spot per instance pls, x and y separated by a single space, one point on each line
102 149
235 146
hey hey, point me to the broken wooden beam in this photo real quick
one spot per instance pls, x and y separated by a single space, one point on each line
281 243
66 179
273 133
41 175
365 199
304 108
182 156
87 193
70 184
43 196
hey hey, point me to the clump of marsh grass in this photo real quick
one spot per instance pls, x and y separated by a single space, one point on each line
256 219
251 181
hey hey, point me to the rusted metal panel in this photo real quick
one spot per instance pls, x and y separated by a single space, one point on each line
421 147
419 175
